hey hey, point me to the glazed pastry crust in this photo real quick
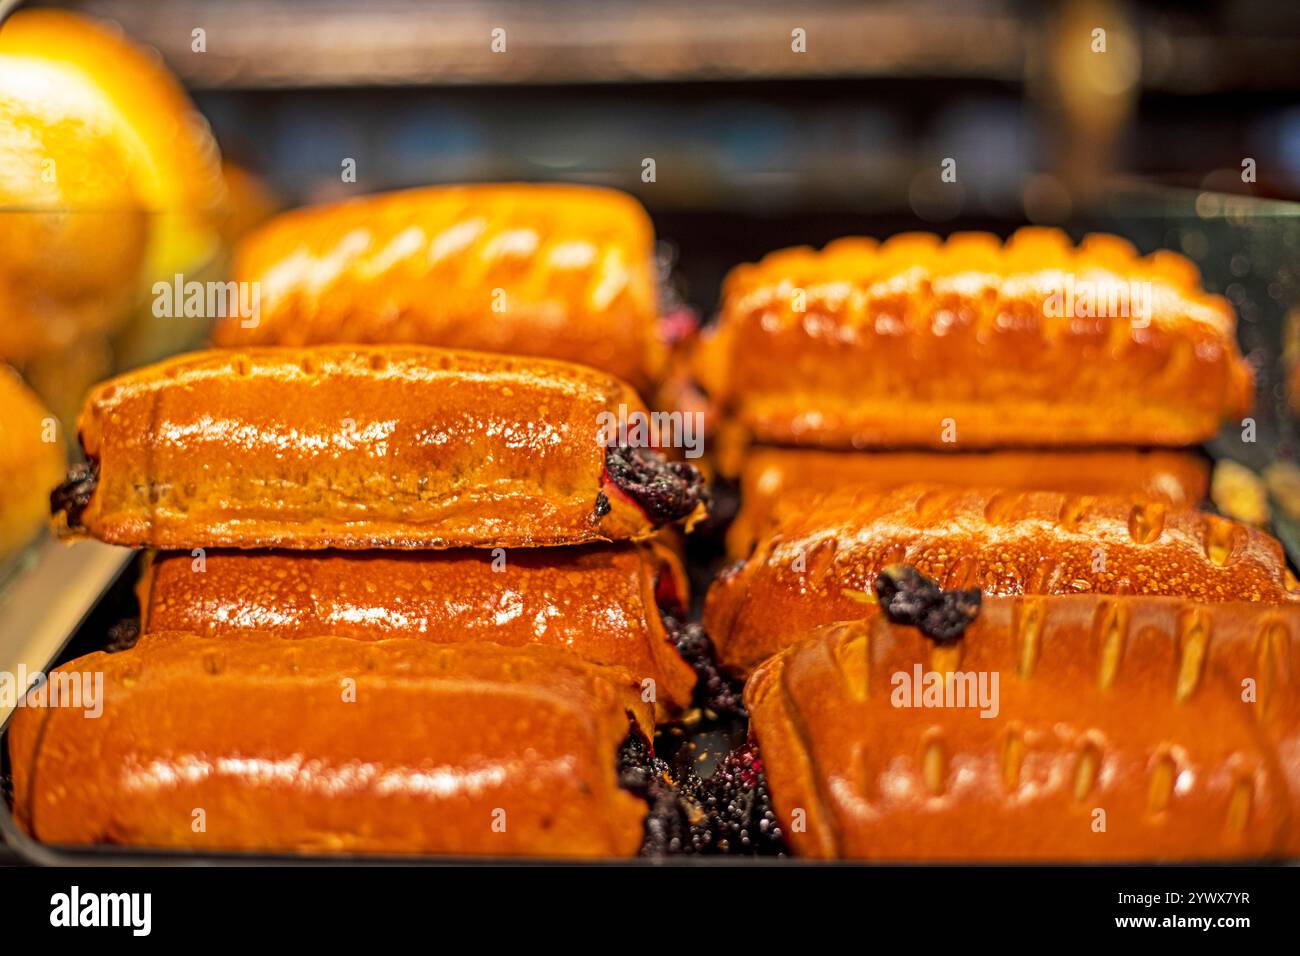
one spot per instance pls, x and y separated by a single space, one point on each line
259 732
599 603
917 343
28 464
1129 704
564 272
820 560
1181 479
355 447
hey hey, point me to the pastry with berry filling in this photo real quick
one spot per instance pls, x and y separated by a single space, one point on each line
366 447
609 604
334 745
1117 730
1180 478
821 556
973 343
557 271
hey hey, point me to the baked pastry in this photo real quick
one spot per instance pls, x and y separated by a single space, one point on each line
564 272
72 223
970 343
355 447
1118 729
31 459
334 745
173 158
820 559
601 603
770 474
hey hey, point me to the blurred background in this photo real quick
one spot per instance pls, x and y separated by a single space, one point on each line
755 145
772 124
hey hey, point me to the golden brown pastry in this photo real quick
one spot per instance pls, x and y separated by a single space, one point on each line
31 460
1120 729
1177 477
970 344
820 560
355 447
564 272
334 745
72 224
601 603
173 158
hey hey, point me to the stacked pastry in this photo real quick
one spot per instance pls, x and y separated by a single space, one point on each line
1032 364
962 494
403 598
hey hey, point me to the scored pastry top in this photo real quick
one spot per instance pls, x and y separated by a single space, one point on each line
559 271
1131 705
819 558
971 261
972 342
769 475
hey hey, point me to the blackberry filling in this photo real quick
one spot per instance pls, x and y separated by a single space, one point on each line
739 818
640 772
73 495
729 814
665 490
909 597
123 635
713 689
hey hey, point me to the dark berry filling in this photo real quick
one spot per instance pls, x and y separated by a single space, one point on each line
739 817
123 635
714 691
74 494
909 597
665 490
730 813
642 773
